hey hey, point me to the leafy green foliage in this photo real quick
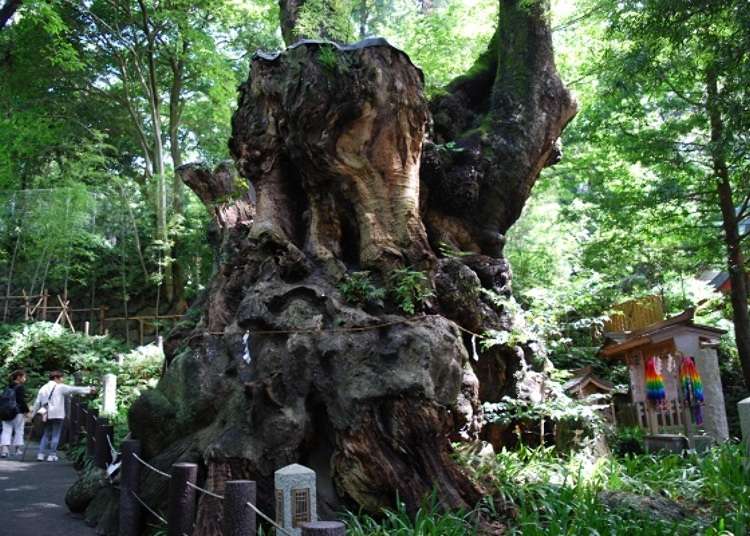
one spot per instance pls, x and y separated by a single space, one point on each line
358 288
328 58
628 441
429 520
559 408
41 347
410 289
555 495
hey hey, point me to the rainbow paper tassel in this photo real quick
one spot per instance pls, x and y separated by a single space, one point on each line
692 387
654 382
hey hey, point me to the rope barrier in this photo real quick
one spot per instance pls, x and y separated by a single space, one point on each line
251 505
271 521
149 466
205 491
113 451
157 516
336 330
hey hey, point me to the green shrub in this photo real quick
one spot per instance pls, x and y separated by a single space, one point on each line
410 289
40 347
358 288
628 440
328 58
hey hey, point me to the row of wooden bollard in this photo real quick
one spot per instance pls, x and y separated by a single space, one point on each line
239 518
99 433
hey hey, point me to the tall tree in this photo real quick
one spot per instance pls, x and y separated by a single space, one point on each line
332 138
673 96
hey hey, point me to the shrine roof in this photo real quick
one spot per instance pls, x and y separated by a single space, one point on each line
619 342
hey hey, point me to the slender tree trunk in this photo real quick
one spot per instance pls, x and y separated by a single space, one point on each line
175 116
136 238
9 286
162 232
730 224
8 10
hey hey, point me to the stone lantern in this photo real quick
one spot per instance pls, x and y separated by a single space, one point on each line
296 501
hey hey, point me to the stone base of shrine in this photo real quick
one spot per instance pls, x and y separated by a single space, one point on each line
676 443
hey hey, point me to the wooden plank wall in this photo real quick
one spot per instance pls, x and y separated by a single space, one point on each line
635 314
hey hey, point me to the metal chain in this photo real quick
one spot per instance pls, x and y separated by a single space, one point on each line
271 521
157 516
149 466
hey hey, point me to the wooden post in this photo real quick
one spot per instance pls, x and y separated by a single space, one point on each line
109 394
91 433
651 418
25 306
105 436
102 454
160 343
81 419
73 419
86 328
44 304
323 528
102 316
130 509
65 431
239 518
687 424
140 331
181 499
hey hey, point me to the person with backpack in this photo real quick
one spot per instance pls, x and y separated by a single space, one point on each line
13 411
50 404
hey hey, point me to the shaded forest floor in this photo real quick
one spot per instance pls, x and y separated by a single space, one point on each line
633 494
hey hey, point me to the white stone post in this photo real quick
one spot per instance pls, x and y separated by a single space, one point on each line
109 395
743 406
296 498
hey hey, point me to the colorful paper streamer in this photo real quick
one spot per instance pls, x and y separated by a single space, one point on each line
655 390
692 387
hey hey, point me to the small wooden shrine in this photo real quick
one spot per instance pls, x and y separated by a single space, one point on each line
674 377
585 383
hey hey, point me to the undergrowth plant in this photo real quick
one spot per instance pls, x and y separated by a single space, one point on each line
410 289
556 494
359 288
429 520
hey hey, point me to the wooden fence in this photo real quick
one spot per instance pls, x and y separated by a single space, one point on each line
239 499
57 309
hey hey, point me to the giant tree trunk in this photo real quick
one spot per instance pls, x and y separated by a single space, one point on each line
279 368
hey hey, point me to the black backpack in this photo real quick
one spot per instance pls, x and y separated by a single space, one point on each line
8 404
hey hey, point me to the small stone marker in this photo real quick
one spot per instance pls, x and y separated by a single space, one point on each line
743 406
324 528
296 498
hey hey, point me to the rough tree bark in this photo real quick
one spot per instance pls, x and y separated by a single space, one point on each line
276 366
730 225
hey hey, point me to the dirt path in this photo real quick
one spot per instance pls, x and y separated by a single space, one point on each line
32 498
